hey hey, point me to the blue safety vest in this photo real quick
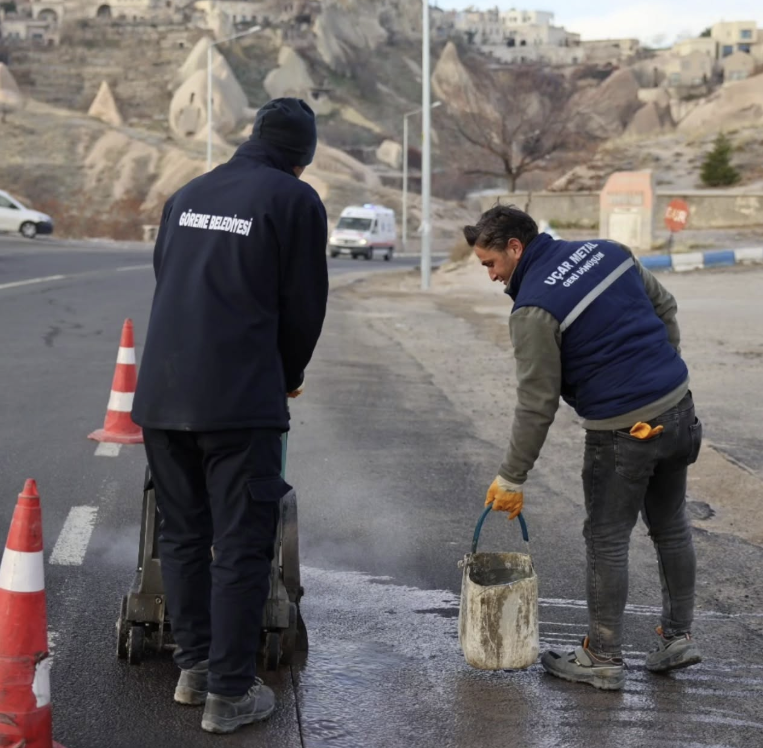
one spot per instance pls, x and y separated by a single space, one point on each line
616 356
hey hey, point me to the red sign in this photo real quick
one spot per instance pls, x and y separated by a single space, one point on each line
677 215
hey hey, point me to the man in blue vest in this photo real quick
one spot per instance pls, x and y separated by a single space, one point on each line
592 326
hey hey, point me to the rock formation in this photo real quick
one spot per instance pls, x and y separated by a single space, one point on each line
10 96
188 110
740 104
609 108
453 85
651 119
390 153
343 28
104 107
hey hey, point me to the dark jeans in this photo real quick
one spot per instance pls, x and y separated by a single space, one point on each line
623 476
220 489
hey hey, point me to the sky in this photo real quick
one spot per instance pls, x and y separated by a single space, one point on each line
646 20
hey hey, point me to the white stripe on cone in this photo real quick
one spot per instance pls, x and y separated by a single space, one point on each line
41 682
22 572
121 402
126 356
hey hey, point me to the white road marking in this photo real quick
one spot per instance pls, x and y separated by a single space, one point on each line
642 610
32 281
559 636
71 546
128 268
52 643
106 449
551 643
51 278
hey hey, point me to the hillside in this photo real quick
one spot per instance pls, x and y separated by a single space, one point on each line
358 63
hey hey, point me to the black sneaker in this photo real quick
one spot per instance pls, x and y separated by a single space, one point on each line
192 685
673 653
224 714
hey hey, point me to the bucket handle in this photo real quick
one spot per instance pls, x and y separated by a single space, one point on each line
481 521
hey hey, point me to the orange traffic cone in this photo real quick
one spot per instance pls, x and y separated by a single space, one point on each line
118 426
25 713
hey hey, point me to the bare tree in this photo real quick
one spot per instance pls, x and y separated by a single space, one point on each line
519 121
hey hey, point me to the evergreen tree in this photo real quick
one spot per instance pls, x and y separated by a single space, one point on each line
717 170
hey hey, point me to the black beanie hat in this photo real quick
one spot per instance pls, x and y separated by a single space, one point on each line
289 125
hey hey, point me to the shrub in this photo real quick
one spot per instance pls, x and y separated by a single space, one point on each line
717 170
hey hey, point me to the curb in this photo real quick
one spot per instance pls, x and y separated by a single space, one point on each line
686 261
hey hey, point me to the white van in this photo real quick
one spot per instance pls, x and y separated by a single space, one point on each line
17 217
361 231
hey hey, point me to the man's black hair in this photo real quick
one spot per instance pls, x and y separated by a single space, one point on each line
499 224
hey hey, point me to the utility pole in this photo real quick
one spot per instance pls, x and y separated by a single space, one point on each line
405 171
426 157
405 183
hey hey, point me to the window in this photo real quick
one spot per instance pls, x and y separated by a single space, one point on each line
744 48
6 203
745 34
354 224
727 50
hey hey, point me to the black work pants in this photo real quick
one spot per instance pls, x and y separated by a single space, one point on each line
220 489
622 477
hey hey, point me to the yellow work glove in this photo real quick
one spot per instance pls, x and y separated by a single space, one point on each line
505 497
644 431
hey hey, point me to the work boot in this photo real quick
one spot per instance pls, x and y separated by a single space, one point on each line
192 685
223 714
582 666
673 653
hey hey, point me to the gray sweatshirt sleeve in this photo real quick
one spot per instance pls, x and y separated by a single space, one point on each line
537 340
663 301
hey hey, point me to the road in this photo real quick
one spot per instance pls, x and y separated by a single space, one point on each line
398 434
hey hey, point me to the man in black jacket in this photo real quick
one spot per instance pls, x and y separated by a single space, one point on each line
241 291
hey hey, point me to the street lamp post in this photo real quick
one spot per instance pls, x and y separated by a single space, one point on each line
405 171
212 45
426 156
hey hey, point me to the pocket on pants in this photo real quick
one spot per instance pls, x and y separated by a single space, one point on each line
695 431
268 489
635 458
266 495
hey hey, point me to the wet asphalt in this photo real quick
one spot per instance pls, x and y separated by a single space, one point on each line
389 477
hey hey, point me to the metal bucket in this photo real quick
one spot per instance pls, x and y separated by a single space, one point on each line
498 619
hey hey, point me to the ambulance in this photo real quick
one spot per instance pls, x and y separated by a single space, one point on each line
363 231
